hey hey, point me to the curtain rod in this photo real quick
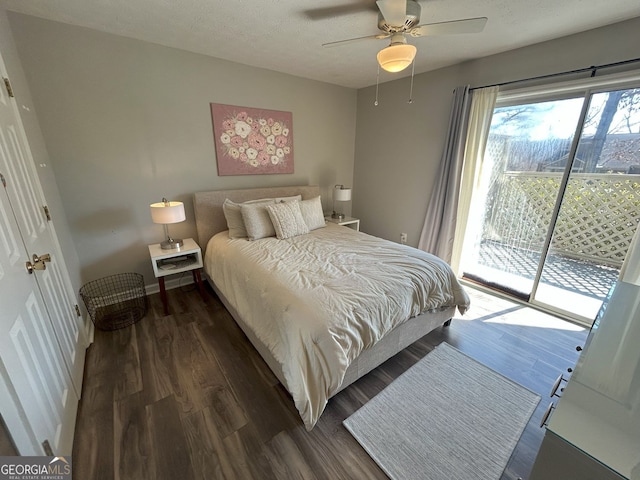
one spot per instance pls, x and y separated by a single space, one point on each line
593 69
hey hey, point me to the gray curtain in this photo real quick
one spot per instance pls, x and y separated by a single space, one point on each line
440 222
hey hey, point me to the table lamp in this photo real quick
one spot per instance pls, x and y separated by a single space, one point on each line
167 212
340 194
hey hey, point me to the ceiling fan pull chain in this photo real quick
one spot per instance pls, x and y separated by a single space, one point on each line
413 70
377 83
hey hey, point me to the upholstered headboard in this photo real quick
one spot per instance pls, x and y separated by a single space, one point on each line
208 205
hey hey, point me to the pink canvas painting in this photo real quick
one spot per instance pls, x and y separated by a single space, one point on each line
252 141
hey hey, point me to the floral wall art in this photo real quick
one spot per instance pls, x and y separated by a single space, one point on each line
252 141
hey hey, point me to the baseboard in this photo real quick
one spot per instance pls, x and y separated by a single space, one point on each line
170 284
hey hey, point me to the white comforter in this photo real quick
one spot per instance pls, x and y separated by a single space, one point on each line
317 300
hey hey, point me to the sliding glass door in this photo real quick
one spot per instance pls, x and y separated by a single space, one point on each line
558 199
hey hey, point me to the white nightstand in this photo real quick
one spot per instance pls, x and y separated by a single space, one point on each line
178 260
345 221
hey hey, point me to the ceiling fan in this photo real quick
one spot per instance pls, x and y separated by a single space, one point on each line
399 18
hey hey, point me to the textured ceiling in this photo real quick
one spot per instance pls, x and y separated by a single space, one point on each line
287 35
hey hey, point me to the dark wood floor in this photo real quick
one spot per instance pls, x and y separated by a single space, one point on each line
7 448
185 396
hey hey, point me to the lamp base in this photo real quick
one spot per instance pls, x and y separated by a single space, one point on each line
338 216
171 243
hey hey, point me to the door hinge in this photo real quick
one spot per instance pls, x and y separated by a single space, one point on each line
2 179
7 85
47 213
47 448
78 311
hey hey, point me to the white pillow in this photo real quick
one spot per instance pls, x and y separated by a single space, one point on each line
287 219
288 199
235 223
312 213
256 220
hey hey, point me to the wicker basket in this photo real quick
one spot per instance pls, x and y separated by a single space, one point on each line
116 301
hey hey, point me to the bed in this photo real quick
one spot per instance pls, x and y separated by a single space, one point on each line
322 308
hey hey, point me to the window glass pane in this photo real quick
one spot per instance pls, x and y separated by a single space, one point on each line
600 208
527 150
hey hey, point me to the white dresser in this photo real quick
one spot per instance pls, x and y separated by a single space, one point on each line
594 431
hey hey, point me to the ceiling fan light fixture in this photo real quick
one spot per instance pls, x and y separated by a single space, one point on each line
396 57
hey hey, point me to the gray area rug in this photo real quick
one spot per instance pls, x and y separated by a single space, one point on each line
448 417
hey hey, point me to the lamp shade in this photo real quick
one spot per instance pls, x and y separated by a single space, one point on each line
167 212
396 57
341 194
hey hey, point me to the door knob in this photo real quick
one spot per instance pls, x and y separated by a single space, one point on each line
42 258
38 265
38 262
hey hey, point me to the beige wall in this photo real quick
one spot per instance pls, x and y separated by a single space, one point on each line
128 122
399 145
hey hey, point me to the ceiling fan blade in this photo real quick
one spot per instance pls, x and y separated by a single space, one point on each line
357 39
339 10
393 11
469 25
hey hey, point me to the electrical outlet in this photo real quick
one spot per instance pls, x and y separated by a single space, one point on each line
403 238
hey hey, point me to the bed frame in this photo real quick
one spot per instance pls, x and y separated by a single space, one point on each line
210 220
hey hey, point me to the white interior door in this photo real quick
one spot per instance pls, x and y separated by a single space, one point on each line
42 341
34 370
